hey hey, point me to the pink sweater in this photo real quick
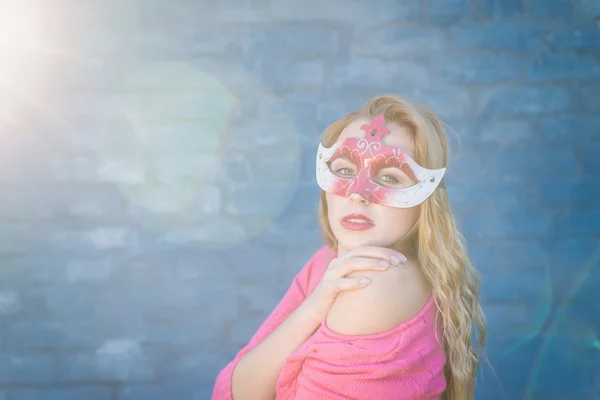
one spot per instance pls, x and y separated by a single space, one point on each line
405 362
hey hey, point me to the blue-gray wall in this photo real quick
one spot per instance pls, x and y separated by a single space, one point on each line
157 190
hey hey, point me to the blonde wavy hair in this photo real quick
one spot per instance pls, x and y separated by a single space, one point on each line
440 247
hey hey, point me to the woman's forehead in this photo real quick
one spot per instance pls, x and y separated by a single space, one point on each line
399 136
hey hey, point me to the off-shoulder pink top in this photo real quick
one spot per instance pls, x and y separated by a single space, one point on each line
403 363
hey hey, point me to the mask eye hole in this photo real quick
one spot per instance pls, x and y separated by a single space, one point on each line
343 167
392 174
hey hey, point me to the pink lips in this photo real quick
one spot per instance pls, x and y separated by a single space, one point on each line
360 222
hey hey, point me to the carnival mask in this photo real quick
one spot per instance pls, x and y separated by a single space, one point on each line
381 174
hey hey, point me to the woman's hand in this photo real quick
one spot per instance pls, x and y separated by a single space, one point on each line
335 280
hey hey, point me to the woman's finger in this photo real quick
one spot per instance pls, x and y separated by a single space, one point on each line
376 252
343 284
358 264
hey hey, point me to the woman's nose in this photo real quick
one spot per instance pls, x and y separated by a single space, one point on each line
357 197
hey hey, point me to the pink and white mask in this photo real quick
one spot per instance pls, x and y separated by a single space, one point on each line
381 174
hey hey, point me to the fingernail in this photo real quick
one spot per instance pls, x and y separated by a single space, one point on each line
363 280
396 259
384 263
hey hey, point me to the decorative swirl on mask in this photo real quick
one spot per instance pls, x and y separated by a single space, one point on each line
367 145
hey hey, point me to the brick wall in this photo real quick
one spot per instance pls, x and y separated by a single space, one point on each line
157 188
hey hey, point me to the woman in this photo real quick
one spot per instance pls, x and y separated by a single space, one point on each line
386 308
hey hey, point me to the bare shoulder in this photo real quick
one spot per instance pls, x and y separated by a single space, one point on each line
393 296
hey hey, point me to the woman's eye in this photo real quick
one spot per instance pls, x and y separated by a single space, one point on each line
345 171
389 179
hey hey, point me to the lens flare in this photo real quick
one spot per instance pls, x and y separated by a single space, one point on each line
164 137
569 357
205 146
